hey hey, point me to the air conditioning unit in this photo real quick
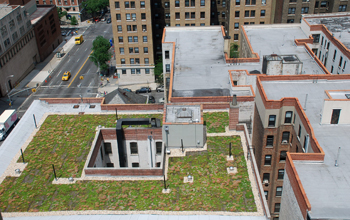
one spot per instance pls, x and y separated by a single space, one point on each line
266 182
284 142
134 19
144 30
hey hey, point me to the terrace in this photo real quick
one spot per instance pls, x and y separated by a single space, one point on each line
65 140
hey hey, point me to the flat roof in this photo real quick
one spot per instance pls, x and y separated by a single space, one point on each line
279 39
337 23
183 113
39 13
326 186
5 9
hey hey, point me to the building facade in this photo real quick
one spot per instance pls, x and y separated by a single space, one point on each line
17 46
73 7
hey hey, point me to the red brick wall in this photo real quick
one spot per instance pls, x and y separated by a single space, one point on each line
142 134
124 172
213 99
109 134
72 100
233 117
95 150
136 107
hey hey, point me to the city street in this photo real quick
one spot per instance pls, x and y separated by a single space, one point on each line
78 63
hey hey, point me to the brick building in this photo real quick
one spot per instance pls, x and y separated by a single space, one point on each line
73 7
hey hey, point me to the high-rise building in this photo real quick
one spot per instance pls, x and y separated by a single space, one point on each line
73 7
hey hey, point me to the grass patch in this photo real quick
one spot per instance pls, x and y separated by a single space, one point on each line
65 141
216 121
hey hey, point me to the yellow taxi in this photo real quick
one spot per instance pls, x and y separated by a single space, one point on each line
66 76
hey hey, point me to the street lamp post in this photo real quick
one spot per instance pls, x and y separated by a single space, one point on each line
8 95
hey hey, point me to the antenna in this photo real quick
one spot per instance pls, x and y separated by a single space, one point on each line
305 101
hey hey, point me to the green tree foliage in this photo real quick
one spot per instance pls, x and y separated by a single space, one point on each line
73 21
92 7
158 71
61 13
234 53
101 55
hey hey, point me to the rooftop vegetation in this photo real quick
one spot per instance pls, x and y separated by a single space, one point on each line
65 141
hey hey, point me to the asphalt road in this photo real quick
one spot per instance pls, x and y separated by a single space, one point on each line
78 63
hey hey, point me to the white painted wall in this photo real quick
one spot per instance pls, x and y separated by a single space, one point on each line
142 78
189 133
328 107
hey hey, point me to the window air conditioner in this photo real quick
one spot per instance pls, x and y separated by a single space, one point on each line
284 142
266 182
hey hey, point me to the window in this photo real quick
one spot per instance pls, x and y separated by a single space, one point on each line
266 194
279 191
134 28
202 14
246 14
135 164
138 71
121 50
132 71
235 36
269 140
129 39
119 28
123 71
223 15
223 3
142 4
187 3
19 18
127 4
137 60
250 2
335 54
238 2
267 160
143 16
146 61
132 61
136 39
132 4
288 117
166 4
108 148
340 61
128 27
144 39
193 3
193 15
236 14
335 116
12 24
266 176
128 17
177 15
285 137
252 13
120 39
323 4
332 68
144 28
263 2
292 0
344 65
277 207
133 15
136 50
147 71
177 3
342 8
262 13
167 15
159 146
202 2
118 17
280 174
167 54
261 22
145 50
283 156
305 10
272 120
187 15
122 61
167 68
291 10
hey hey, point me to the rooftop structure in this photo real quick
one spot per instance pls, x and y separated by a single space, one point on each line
183 114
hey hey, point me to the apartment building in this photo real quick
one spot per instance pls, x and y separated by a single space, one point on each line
133 41
73 7
291 11
18 48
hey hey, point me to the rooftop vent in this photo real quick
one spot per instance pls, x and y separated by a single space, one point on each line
347 96
184 113
289 58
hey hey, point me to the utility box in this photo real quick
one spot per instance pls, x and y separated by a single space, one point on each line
183 125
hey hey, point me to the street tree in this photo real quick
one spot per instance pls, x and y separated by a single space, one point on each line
158 71
92 7
61 13
101 55
73 20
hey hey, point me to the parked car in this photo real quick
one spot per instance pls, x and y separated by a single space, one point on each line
66 76
161 100
127 89
144 90
108 20
151 99
160 88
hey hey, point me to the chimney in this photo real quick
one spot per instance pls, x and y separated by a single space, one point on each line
233 114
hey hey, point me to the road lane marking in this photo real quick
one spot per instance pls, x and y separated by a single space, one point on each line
78 60
86 49
78 49
79 70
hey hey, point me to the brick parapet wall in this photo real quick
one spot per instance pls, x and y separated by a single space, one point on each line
72 100
142 134
209 99
233 117
133 107
95 150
